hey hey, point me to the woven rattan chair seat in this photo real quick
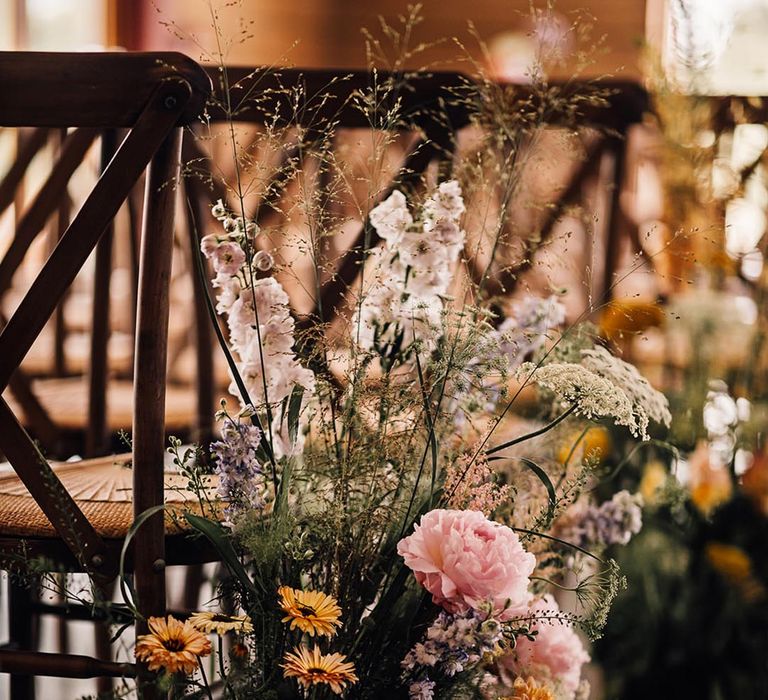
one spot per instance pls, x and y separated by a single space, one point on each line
103 490
66 401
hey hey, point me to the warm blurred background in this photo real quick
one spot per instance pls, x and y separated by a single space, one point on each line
313 33
680 198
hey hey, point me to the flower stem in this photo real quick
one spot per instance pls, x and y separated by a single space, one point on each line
535 433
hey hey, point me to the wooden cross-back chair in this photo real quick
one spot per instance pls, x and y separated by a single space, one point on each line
316 102
152 96
81 403
430 106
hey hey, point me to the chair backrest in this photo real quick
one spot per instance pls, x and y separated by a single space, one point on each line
431 105
151 95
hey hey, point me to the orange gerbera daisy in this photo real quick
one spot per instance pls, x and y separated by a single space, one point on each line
310 667
172 645
311 611
529 689
221 624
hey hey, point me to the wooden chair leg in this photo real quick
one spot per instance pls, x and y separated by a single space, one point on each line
62 631
149 386
104 684
193 580
21 632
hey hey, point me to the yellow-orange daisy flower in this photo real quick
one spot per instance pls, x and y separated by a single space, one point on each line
529 689
310 667
221 624
172 645
312 612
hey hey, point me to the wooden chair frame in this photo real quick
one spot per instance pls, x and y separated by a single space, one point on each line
428 103
153 95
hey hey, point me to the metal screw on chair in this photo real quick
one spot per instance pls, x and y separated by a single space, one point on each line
97 561
170 102
158 566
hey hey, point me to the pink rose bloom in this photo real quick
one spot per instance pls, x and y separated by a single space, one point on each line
467 561
558 651
228 258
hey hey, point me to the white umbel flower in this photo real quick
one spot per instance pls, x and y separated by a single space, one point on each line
592 395
603 386
647 403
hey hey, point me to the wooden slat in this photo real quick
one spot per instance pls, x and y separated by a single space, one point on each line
54 500
96 434
160 115
44 203
260 94
30 146
61 665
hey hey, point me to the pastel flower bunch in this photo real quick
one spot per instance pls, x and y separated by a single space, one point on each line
614 521
242 483
468 562
261 328
553 654
412 270
451 645
529 325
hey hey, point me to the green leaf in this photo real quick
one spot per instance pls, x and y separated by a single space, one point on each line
219 538
294 406
126 587
544 478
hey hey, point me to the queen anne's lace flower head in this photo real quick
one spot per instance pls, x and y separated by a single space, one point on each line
603 386
592 395
647 403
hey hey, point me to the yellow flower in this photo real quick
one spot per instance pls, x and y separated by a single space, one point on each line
311 667
221 624
732 562
172 645
735 566
595 445
654 478
711 485
239 650
529 689
629 316
311 611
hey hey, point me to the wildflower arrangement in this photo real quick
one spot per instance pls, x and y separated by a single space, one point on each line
391 524
371 525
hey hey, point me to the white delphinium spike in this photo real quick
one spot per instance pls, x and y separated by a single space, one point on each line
409 275
261 328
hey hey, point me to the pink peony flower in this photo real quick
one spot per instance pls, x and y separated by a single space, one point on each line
557 651
467 561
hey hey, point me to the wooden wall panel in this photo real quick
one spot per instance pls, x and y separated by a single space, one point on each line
328 32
